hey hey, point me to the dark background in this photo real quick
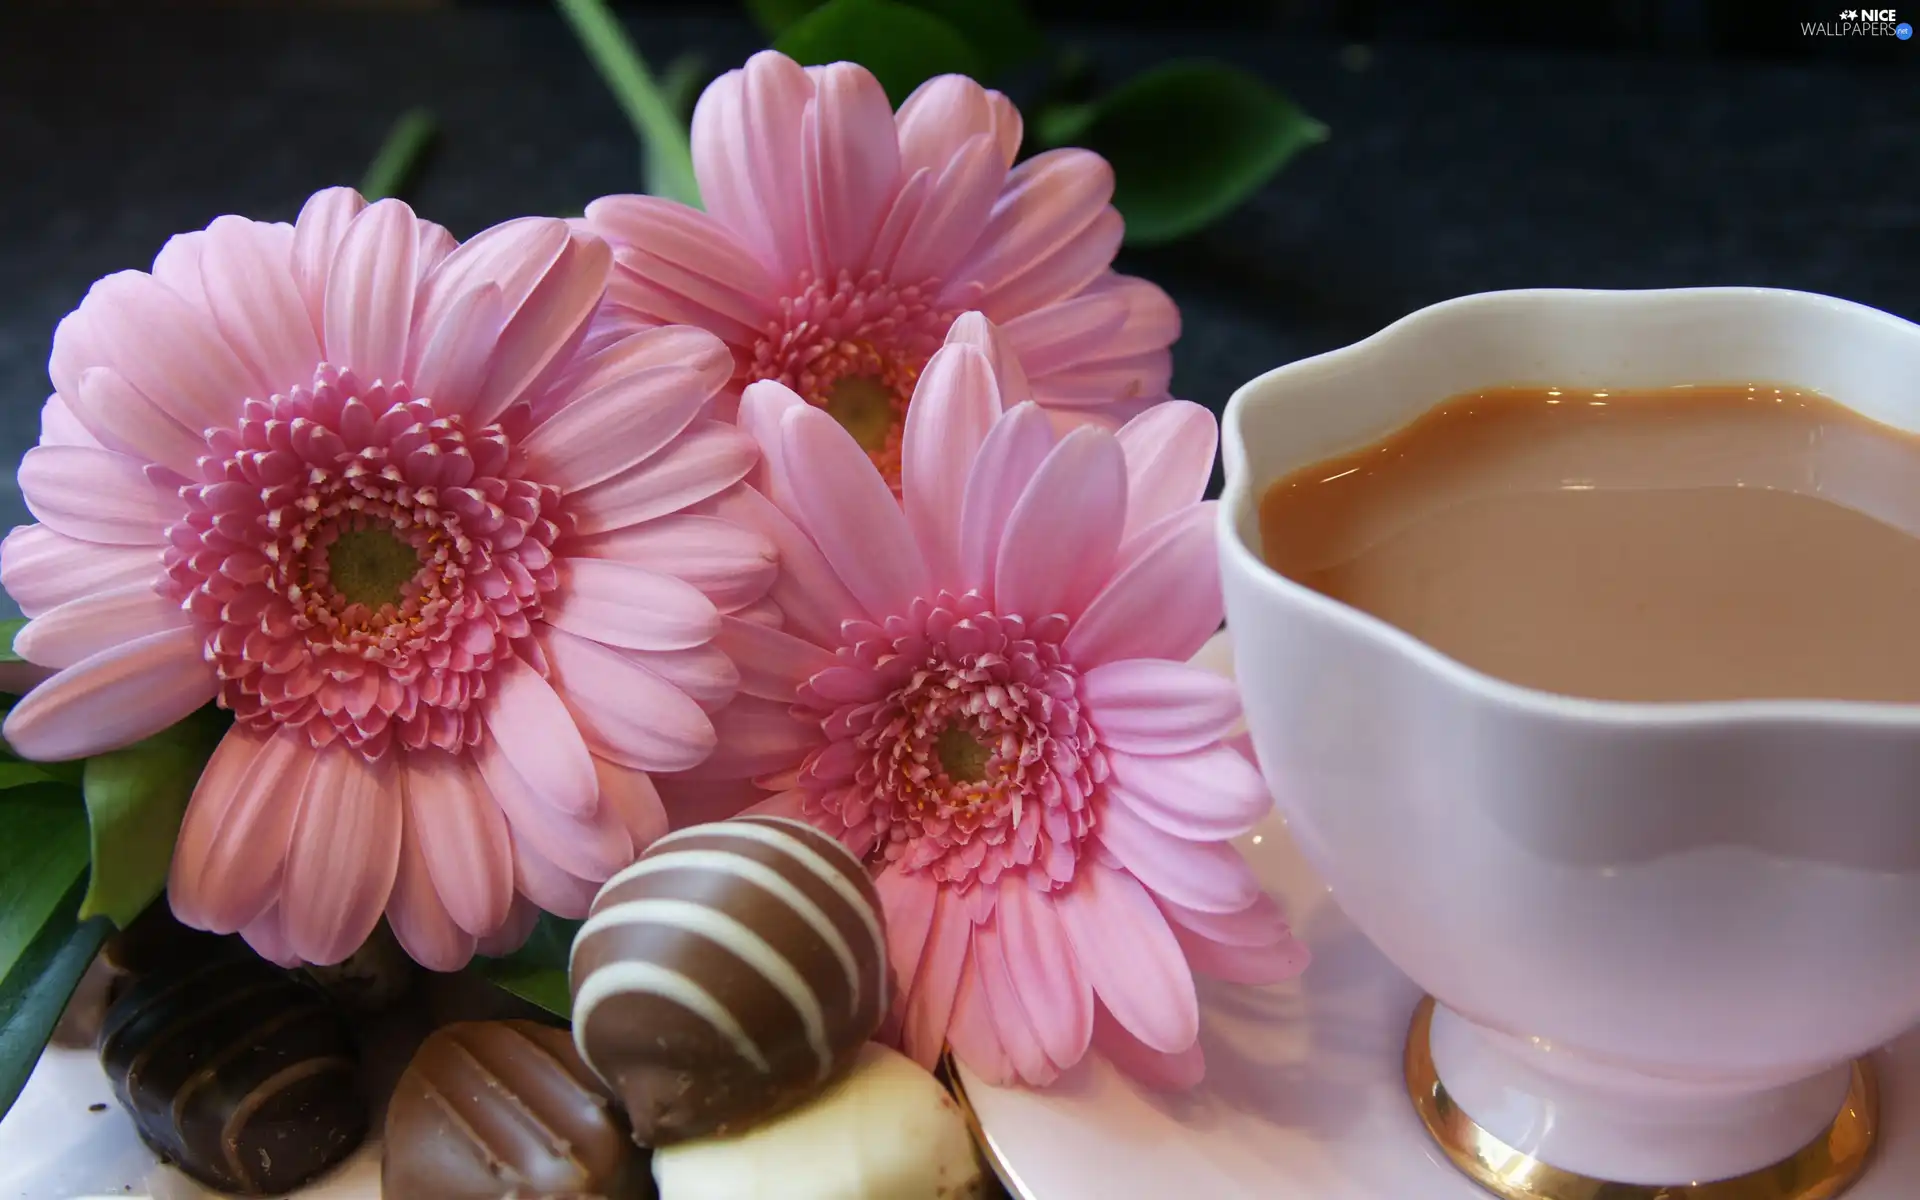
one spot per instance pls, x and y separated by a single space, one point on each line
1474 146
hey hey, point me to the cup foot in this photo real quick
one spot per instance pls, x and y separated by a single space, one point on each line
1821 1170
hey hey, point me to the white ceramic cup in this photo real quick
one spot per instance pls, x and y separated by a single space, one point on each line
1657 933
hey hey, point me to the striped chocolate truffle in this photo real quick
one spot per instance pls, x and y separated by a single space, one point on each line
727 975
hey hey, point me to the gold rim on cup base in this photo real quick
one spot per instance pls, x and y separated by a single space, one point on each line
996 1163
1821 1170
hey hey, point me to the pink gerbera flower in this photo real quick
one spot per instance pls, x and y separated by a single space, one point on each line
983 689
841 240
433 540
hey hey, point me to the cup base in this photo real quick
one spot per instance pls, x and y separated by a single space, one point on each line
1822 1169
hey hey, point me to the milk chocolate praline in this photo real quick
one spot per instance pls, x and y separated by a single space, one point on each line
728 975
494 1109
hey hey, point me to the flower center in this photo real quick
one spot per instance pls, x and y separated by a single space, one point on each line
854 347
961 755
369 565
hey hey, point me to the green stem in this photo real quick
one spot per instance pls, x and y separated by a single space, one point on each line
399 156
646 106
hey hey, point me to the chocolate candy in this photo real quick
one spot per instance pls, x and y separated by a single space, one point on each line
887 1131
729 974
492 1109
240 1075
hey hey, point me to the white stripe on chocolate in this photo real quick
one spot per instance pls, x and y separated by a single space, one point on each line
727 862
729 934
630 977
795 848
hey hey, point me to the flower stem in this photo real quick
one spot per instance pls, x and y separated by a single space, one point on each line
669 153
399 155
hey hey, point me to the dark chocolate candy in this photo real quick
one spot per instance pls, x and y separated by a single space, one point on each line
239 1074
495 1109
728 975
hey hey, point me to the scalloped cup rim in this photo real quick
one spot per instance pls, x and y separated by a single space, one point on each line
1237 499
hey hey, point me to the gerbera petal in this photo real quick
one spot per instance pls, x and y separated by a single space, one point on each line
559 892
248 275
581 844
317 232
1096 388
418 915
521 921
450 357
1063 335
1205 876
1049 202
696 801
947 110
1178 1072
553 314
514 256
97 496
936 980
1011 1023
1208 795
971 1034
973 329
1170 450
634 799
461 838
368 312
810 596
950 219
954 406
706 459
625 421
80 629
700 271
624 605
436 246
1153 706
536 734
907 901
851 513
1254 965
232 845
344 854
850 166
42 569
624 711
1060 538
763 406
1068 269
1014 449
746 155
266 935
122 418
1164 604
178 266
60 427
756 737
772 664
733 565
1258 924
159 343
704 673
118 696
1044 971
1130 957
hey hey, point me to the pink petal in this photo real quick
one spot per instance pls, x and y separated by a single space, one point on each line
1016 446
121 418
158 343
1115 317
763 406
451 357
461 838
344 854
971 1033
1164 604
368 312
118 696
1010 1021
910 202
584 844
80 629
42 569
97 496
772 664
514 256
624 605
704 673
907 902
232 846
954 406
1210 795
1254 965
615 350
545 323
696 801
949 221
1152 706
746 155
1044 971
521 920
733 565
756 737
605 431
417 914
436 246
1062 533
266 935
1130 956
248 273
850 166
1207 876
704 274
1050 201
1178 1072
1073 266
947 110
929 1005
60 427
852 514
1258 924
178 266
559 892
537 735
624 711
707 459
807 592
1170 450
634 799
973 329
1130 385
316 238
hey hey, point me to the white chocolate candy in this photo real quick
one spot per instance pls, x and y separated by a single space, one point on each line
887 1131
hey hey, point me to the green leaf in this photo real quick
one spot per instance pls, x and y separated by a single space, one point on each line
669 152
903 46
43 851
135 799
393 168
773 16
537 971
7 631
1001 32
1188 142
35 992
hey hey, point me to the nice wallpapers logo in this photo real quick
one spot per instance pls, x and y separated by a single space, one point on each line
1860 22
